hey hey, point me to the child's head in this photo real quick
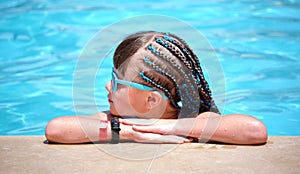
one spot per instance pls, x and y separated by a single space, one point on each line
165 63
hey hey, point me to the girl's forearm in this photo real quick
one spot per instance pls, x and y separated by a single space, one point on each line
235 128
65 129
75 129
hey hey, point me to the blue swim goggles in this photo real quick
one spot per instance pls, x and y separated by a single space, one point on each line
115 81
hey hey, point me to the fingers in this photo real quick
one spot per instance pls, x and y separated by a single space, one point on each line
171 139
152 129
131 133
139 122
157 138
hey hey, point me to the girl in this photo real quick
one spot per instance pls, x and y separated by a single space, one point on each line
158 79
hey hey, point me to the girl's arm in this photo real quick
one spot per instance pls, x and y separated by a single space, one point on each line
75 129
84 129
233 128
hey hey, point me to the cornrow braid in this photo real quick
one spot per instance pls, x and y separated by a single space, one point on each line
170 77
178 49
171 67
208 103
186 89
186 58
150 81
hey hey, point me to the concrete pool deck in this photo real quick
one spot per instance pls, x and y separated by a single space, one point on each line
28 154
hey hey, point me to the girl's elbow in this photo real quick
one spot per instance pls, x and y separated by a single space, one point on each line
53 130
258 133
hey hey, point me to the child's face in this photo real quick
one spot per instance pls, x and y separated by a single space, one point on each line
127 101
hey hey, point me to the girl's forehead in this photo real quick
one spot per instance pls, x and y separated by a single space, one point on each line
129 73
131 68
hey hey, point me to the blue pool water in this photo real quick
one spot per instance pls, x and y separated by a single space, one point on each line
257 43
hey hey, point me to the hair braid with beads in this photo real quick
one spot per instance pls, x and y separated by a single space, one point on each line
196 70
173 68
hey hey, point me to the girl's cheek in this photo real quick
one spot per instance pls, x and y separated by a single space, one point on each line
137 101
121 102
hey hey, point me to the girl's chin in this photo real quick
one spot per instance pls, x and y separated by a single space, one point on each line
123 111
113 111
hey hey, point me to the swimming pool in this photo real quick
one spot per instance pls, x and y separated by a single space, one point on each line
257 44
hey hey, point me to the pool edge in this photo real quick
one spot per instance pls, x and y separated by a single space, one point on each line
28 154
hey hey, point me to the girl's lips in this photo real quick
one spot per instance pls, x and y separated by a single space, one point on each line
109 100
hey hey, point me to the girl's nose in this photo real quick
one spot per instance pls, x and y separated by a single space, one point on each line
108 86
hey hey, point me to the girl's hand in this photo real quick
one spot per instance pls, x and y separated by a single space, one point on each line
148 133
155 126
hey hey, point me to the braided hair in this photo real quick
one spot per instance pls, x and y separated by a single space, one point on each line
168 64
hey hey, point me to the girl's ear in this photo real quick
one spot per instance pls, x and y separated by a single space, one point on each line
154 99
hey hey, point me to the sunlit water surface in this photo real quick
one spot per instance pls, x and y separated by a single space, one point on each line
257 43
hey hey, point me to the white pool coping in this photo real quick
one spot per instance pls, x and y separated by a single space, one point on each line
28 154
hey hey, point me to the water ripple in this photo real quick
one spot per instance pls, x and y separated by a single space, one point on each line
264 101
257 41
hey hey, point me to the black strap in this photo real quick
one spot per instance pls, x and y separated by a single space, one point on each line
115 129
